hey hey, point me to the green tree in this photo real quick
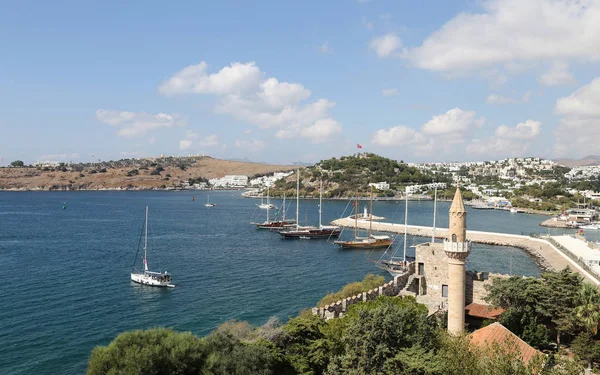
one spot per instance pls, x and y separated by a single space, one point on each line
17 163
586 348
155 351
588 309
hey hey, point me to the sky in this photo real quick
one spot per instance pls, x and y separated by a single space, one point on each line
299 81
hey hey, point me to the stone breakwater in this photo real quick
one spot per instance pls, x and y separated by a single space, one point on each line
544 254
337 309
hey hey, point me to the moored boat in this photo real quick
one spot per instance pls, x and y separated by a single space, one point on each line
147 277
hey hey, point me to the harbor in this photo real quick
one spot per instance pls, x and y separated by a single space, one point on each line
545 254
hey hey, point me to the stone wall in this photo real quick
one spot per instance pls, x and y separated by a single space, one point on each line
337 309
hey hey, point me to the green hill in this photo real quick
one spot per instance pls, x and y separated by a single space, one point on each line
345 176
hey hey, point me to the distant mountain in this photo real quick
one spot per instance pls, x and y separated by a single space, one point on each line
585 161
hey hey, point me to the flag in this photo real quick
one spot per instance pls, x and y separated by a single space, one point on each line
358 146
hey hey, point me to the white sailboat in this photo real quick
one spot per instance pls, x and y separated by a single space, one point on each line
268 205
208 204
147 277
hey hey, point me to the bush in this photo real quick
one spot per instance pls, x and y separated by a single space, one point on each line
133 172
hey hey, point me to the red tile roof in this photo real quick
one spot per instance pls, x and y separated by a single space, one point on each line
497 333
477 310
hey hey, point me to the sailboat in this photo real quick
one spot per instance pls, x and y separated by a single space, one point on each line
394 266
268 205
277 224
208 204
370 242
147 277
310 232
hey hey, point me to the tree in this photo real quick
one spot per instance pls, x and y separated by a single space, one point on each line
586 348
155 351
588 309
17 163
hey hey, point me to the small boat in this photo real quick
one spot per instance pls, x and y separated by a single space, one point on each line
268 205
590 226
147 277
208 204
64 205
320 232
513 210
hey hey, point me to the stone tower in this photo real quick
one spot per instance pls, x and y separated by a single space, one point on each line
457 248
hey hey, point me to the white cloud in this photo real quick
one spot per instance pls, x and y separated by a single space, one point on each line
210 141
325 48
497 99
247 95
129 154
440 134
386 44
133 124
527 96
507 141
512 31
192 135
578 129
366 23
527 130
60 157
557 75
184 144
454 122
253 145
389 92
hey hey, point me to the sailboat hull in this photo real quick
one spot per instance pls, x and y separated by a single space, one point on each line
368 244
276 225
311 233
149 280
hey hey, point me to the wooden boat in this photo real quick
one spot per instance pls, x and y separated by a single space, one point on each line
320 232
277 224
370 242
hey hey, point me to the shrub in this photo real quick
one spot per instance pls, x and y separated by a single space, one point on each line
369 282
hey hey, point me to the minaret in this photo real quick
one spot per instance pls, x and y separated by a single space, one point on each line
457 248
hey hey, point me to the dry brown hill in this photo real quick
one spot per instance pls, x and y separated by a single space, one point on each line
99 176
586 161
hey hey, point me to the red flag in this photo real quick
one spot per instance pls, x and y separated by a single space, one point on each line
358 146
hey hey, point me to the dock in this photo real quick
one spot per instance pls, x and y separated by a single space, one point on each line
545 254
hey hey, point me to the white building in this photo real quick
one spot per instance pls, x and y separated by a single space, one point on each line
380 185
230 181
46 163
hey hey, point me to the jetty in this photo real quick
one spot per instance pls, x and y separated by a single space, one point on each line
545 253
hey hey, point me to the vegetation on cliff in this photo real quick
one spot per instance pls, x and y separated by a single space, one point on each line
369 282
391 335
344 176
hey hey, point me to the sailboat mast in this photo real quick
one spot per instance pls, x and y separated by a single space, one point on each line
356 217
320 203
371 214
146 241
297 199
434 214
405 221
268 208
283 213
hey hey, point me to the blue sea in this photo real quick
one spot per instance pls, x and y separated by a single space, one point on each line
66 286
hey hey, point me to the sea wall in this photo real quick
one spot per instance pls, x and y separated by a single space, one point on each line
337 309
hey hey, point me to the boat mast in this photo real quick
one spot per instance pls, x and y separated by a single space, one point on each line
268 207
283 213
434 214
297 199
320 203
371 214
405 222
146 241
356 217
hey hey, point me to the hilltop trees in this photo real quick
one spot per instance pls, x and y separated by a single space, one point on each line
17 163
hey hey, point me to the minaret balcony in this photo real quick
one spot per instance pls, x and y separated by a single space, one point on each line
457 247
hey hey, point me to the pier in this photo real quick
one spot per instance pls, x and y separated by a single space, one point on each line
546 255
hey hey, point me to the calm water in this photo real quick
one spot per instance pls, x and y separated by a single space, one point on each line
66 281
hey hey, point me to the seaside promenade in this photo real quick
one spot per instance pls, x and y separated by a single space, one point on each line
546 255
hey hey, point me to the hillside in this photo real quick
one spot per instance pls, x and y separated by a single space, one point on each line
345 176
129 174
583 162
